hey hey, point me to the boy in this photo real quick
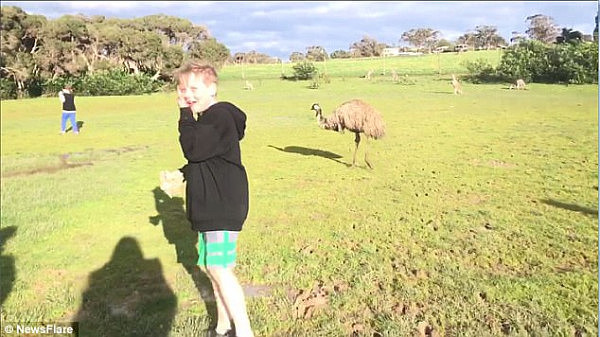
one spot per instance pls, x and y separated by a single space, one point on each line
68 109
217 187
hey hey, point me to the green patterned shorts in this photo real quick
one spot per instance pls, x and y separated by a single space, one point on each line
217 249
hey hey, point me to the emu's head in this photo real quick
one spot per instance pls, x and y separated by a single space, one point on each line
317 108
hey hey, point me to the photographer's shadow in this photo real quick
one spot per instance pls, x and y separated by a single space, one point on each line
127 296
178 232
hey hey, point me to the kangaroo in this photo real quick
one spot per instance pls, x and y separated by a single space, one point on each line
394 76
520 85
456 85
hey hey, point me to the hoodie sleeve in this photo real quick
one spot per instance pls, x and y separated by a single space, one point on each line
61 96
204 139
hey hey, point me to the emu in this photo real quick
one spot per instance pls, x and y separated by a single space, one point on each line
356 116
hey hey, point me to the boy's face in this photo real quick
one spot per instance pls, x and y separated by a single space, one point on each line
196 94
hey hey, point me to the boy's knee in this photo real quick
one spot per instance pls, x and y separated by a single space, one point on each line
218 273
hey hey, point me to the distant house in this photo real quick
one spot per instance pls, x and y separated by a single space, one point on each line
440 49
391 51
461 47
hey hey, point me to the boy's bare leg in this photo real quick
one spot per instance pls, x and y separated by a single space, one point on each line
223 317
232 295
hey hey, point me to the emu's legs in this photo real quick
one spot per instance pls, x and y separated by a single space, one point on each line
357 141
366 158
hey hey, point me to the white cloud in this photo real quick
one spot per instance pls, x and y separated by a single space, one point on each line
273 27
93 5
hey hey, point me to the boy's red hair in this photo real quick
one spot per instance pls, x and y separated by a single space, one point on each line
208 73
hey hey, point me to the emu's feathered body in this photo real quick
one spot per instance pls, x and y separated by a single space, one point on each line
356 116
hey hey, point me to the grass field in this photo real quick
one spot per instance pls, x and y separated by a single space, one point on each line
480 217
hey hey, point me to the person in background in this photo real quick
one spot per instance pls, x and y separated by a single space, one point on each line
68 109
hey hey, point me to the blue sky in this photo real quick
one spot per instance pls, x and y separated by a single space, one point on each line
280 28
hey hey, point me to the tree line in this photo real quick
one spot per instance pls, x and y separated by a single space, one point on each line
37 52
112 56
541 28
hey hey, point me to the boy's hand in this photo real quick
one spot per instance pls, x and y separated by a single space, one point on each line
181 98
181 102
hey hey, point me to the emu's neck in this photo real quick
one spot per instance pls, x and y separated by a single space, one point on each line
326 123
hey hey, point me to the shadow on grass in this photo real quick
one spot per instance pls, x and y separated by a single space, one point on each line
128 296
177 231
312 152
570 207
7 265
79 126
442 92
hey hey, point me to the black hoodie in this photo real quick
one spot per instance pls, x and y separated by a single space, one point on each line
217 184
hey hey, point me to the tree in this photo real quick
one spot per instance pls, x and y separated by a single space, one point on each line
487 37
316 53
254 57
542 28
20 34
210 51
470 39
35 50
340 54
173 30
569 35
296 56
368 47
421 38
443 43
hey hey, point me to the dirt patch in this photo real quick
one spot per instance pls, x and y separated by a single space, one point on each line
64 162
426 330
309 303
63 165
125 149
493 163
256 290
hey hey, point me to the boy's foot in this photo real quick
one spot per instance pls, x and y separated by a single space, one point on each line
76 132
62 132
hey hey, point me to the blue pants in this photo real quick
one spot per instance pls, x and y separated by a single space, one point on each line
70 115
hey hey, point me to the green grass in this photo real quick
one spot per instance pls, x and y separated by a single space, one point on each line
430 64
479 218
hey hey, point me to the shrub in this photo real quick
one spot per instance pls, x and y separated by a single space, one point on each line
481 71
574 63
534 61
106 83
8 88
304 70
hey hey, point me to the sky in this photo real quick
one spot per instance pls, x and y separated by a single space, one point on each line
278 28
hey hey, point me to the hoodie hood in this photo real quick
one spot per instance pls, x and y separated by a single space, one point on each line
238 116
